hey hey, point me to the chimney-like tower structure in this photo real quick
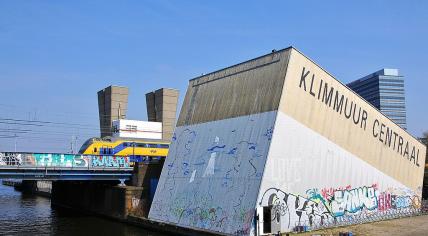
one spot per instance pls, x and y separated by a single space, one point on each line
162 107
112 105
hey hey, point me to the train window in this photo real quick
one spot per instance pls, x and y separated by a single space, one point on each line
141 145
125 144
164 145
95 149
152 145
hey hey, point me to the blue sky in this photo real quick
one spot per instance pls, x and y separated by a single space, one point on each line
55 55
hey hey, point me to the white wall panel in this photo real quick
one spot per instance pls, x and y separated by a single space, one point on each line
137 129
309 178
320 102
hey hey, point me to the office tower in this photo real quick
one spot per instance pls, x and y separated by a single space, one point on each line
384 89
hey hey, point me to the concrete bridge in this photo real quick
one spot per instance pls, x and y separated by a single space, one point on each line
57 166
87 183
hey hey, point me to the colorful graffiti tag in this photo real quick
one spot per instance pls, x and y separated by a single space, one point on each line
353 200
110 161
294 208
332 204
62 160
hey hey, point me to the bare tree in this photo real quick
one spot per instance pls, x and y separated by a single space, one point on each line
425 141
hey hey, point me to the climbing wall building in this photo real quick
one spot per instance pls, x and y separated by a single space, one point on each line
276 142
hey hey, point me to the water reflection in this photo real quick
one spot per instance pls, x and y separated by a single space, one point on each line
22 214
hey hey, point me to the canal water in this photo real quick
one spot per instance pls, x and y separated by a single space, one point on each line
22 214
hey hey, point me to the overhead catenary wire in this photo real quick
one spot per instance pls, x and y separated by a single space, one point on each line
52 135
38 111
43 132
45 123
42 122
30 131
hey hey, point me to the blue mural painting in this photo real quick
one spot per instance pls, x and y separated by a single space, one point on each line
212 174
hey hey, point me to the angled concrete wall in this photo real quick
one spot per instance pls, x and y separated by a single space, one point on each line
280 133
215 174
213 171
334 157
340 115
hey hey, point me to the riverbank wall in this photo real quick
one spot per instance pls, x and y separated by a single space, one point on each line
128 204
107 198
11 182
100 198
41 188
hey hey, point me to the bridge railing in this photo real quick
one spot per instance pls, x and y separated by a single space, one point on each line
62 161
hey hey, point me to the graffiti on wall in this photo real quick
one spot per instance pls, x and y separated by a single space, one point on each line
110 161
294 209
135 202
353 200
347 199
10 159
335 203
17 159
203 209
62 160
212 174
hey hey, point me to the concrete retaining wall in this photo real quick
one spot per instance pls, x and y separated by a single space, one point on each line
101 198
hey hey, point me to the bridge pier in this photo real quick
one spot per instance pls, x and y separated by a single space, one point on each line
103 198
144 174
42 188
109 198
27 186
106 198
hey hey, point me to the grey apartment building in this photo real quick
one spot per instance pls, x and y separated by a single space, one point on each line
384 89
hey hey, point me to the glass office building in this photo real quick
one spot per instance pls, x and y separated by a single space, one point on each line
385 90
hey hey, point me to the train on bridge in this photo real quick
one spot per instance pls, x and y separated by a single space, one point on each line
137 150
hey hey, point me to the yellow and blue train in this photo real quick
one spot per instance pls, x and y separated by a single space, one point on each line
137 150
